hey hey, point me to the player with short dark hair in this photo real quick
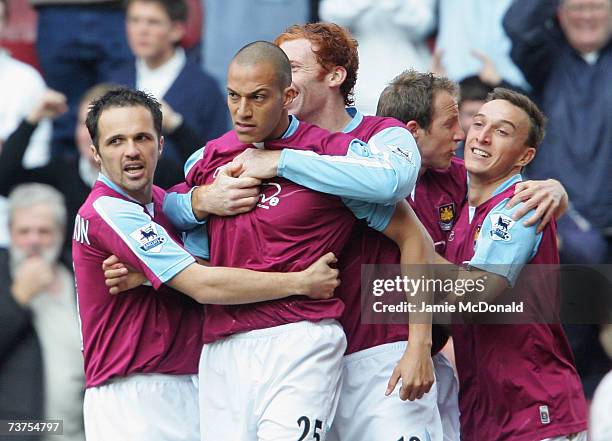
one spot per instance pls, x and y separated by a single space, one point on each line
517 382
141 349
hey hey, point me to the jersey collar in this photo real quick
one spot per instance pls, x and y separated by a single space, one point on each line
356 116
508 183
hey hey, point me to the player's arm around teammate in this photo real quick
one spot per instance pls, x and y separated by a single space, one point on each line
227 286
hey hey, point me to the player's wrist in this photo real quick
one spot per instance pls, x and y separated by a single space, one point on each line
199 202
298 283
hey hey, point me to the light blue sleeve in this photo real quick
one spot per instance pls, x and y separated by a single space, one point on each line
383 171
505 245
378 216
196 242
135 230
177 208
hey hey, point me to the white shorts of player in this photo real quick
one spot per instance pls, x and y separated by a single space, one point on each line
275 384
448 397
580 436
143 407
365 413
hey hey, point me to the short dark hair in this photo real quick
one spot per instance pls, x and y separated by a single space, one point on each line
177 10
266 52
410 96
473 89
122 97
333 46
537 119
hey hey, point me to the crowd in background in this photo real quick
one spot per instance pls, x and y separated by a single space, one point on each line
59 55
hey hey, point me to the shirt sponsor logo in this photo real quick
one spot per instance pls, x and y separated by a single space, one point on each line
148 238
446 216
500 227
268 198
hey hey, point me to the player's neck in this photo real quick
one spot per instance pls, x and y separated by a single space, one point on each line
332 116
481 188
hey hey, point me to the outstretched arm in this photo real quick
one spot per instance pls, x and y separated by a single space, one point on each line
415 368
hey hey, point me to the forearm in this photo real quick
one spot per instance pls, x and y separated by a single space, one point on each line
381 179
13 151
533 44
178 208
229 286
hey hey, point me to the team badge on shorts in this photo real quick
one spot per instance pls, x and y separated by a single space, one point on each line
500 227
148 238
446 216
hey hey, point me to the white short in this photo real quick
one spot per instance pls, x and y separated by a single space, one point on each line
365 413
143 407
448 397
275 384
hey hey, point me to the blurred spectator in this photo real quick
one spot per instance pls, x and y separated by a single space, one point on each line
73 177
472 95
391 35
565 52
19 35
80 42
470 30
41 366
190 99
20 89
601 407
230 24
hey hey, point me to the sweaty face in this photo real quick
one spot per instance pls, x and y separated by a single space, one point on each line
150 31
308 78
438 143
256 103
128 149
587 24
34 232
496 141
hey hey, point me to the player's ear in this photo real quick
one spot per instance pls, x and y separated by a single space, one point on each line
414 128
336 76
95 155
161 144
289 95
526 157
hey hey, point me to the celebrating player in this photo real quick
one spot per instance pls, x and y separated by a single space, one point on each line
141 350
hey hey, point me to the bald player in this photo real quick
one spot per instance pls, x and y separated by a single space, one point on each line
293 348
